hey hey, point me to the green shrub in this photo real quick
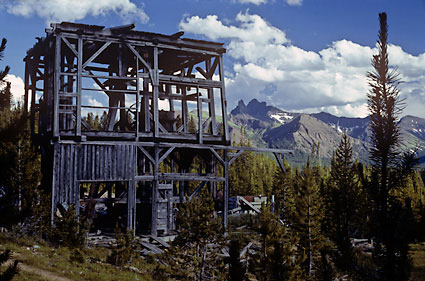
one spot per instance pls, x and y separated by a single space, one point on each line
77 256
124 250
68 231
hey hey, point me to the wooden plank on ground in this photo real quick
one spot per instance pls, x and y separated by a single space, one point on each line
159 240
154 249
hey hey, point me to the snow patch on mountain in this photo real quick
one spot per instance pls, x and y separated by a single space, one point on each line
282 118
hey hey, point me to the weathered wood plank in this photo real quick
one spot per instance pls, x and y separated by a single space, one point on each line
79 85
154 249
223 101
226 190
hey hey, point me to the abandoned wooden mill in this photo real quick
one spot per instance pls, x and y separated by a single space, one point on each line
137 159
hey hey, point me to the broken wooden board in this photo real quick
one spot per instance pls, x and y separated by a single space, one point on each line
154 249
159 240
248 204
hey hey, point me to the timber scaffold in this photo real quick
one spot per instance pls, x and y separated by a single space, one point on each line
120 116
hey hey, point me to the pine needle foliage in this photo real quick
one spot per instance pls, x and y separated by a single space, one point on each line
388 214
307 217
68 231
20 174
194 254
278 258
124 250
4 72
344 200
384 105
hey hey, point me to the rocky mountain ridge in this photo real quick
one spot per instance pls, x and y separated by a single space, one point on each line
273 127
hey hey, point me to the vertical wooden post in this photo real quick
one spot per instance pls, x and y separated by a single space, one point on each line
226 189
131 205
131 192
155 186
223 101
33 80
169 195
279 161
182 187
155 83
122 72
199 103
79 85
56 88
54 175
171 102
184 109
26 89
211 104
145 106
75 183
62 121
170 202
137 100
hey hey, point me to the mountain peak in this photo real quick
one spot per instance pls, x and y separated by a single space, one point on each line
279 128
240 108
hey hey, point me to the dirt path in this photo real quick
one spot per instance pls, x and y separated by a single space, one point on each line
47 275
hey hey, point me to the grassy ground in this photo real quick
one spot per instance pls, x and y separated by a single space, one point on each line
42 260
39 262
417 252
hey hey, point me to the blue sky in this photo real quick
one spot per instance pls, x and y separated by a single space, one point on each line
299 55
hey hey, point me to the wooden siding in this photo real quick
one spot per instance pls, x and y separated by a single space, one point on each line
75 163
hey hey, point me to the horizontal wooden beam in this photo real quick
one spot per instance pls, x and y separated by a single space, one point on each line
182 145
180 177
194 82
140 42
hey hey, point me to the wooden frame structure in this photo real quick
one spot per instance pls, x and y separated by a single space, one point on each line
147 127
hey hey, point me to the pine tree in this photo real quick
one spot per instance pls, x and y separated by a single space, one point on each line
19 176
68 231
191 126
4 72
278 258
5 97
251 173
385 107
343 198
325 271
5 94
283 189
306 220
124 250
197 229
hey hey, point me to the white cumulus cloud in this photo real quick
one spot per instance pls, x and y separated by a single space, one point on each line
17 87
268 67
252 28
71 10
94 102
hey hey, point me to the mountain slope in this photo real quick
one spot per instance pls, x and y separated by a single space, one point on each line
306 131
355 127
278 128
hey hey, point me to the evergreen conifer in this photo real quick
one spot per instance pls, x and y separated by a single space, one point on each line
343 201
388 175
